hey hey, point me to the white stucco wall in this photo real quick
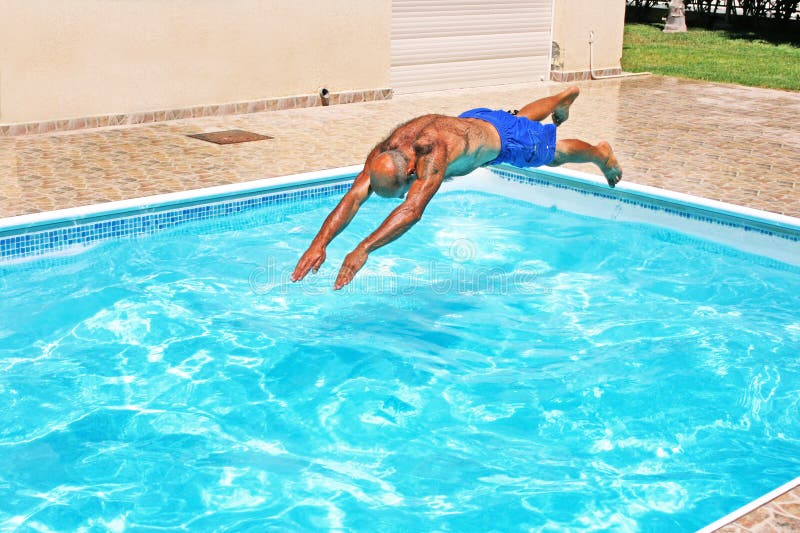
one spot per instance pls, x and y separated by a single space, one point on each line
78 58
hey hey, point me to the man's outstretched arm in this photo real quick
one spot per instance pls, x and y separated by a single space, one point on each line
339 218
430 172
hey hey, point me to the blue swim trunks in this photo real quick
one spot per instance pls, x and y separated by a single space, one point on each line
525 142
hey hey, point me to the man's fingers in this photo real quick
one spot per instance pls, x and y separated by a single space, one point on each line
317 264
298 274
309 262
346 275
302 269
352 264
342 280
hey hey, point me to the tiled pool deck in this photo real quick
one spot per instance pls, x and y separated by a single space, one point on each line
734 144
724 142
778 515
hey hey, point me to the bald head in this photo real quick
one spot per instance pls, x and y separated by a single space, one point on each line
387 174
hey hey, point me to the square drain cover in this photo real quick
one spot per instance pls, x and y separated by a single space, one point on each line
229 137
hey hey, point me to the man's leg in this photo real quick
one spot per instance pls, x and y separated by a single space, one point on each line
557 105
576 151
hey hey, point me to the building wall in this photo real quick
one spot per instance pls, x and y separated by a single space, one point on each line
573 21
81 58
65 59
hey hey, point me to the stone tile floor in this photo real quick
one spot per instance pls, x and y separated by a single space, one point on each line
724 142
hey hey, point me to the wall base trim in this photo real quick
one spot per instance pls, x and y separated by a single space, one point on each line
255 106
582 75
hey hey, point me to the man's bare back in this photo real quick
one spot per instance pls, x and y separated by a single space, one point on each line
467 143
419 154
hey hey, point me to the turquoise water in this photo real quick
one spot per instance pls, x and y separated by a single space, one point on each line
502 367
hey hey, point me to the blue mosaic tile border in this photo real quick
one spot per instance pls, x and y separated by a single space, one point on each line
41 243
533 180
77 234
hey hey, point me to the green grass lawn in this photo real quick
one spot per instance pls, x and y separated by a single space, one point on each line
719 55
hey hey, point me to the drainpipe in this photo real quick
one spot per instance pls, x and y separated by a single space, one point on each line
596 77
324 96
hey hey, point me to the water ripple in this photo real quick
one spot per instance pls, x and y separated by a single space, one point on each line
502 367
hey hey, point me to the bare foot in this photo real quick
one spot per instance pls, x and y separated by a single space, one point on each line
561 112
610 165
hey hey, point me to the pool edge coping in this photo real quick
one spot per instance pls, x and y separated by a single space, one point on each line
750 507
567 177
598 184
38 234
36 221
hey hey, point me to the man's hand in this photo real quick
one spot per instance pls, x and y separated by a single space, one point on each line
311 260
352 264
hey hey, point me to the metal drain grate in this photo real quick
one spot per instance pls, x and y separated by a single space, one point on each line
229 137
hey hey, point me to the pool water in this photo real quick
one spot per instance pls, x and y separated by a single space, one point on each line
500 367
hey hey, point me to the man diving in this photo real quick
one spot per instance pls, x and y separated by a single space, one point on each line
419 154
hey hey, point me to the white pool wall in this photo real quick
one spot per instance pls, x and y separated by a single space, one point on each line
632 203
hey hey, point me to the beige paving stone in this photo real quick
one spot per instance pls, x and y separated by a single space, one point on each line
791 497
766 528
732 528
756 518
786 522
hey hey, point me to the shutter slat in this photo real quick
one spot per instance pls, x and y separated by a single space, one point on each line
449 49
452 75
439 44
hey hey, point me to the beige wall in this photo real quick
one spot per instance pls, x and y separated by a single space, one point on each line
573 21
62 59
78 58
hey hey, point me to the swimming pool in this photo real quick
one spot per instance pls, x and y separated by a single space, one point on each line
533 355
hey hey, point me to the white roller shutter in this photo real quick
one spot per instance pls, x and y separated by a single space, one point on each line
443 44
